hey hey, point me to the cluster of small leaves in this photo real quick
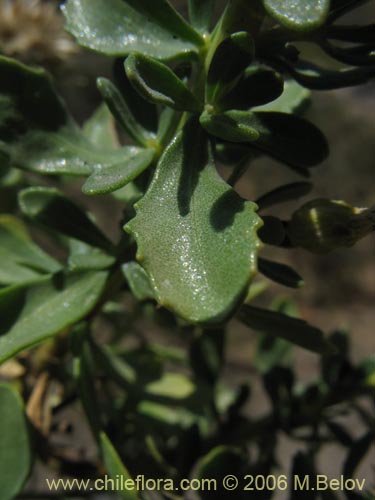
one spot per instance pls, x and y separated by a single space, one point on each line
186 97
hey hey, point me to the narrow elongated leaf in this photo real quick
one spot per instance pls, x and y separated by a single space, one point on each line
108 179
118 27
257 86
138 281
115 466
295 330
20 259
200 14
47 308
230 59
283 136
188 227
50 207
284 193
37 133
15 452
281 273
157 83
299 15
121 111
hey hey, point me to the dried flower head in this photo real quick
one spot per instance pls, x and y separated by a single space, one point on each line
33 31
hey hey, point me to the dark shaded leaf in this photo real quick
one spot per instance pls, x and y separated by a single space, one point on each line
273 231
294 330
118 27
51 208
157 83
303 467
284 193
281 273
207 355
294 99
15 452
357 453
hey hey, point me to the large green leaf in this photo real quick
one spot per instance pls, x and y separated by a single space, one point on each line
50 207
41 310
20 259
37 133
15 453
294 330
196 237
157 83
118 27
301 15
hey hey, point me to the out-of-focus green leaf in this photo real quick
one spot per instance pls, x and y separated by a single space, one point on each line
20 259
271 352
188 227
281 273
108 179
37 133
15 452
273 231
118 27
206 355
99 128
294 330
171 385
200 14
357 453
299 15
138 281
50 207
284 193
293 99
157 83
256 87
230 59
83 257
120 109
115 467
303 466
47 308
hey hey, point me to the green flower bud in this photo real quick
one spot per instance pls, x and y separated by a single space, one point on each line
321 225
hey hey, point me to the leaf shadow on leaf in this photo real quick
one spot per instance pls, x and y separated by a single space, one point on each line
11 306
195 158
225 209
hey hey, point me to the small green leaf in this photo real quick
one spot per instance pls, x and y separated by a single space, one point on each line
115 467
233 126
256 86
200 14
171 385
107 179
47 308
299 15
284 193
188 227
15 453
294 330
293 99
84 257
21 260
157 83
138 281
99 128
230 59
118 27
50 207
280 273
122 112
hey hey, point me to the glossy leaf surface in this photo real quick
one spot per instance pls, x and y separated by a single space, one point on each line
157 83
21 260
301 15
188 227
15 453
107 179
118 27
39 311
